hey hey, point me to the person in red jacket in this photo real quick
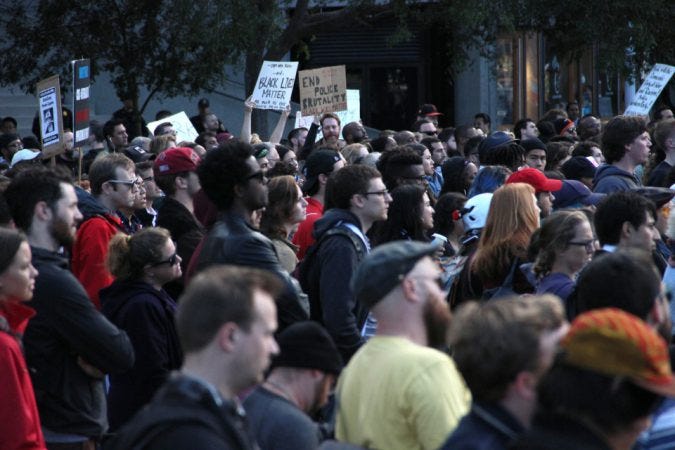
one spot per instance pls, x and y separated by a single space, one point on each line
113 185
19 419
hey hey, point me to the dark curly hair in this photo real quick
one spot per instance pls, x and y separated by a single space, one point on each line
446 204
224 168
404 218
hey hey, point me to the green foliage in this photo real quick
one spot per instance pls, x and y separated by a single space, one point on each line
169 46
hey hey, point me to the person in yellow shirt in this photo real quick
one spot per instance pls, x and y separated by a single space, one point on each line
400 391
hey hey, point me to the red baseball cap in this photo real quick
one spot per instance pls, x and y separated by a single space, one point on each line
536 179
176 160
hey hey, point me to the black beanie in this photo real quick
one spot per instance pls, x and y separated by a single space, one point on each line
307 345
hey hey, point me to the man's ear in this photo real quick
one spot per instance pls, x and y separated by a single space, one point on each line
228 336
239 190
42 211
358 200
180 183
626 229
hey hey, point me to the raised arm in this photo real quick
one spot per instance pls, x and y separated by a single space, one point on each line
245 134
278 132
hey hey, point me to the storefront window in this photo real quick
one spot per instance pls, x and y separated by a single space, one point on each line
505 76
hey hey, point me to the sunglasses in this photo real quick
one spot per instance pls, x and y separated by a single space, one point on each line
171 261
258 175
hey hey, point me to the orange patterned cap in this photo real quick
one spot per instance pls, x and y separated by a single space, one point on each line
613 342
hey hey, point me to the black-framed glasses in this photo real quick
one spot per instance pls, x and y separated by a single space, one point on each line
383 193
429 133
171 261
257 175
589 245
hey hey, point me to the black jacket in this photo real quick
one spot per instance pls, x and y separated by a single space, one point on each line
186 415
233 241
147 316
327 282
68 327
187 233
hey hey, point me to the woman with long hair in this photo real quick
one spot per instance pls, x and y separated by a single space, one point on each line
511 220
286 208
19 419
566 244
410 216
137 303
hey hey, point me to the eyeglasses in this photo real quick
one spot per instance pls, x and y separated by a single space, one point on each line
258 175
171 261
429 133
128 183
589 245
383 193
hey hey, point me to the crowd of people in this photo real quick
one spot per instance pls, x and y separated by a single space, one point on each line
455 288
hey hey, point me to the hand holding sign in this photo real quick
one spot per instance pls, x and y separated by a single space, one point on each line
249 105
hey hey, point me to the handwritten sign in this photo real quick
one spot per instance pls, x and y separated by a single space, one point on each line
649 91
51 125
185 131
323 90
275 85
352 114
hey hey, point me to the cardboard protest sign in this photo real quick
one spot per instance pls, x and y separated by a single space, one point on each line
323 90
352 114
185 131
649 91
275 85
51 124
81 84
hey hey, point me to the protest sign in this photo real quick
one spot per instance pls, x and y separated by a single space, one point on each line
81 83
352 114
323 90
51 123
275 85
185 131
649 91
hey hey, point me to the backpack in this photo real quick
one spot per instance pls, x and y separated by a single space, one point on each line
306 266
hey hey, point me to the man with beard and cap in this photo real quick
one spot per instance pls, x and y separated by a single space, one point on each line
232 179
280 410
400 391
69 345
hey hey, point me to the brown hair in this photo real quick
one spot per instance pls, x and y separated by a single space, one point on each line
216 296
494 341
103 169
282 197
557 230
129 255
10 241
511 220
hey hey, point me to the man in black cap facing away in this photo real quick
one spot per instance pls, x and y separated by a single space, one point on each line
301 379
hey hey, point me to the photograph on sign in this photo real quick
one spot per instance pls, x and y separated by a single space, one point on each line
51 123
49 115
185 131
650 90
274 86
323 90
